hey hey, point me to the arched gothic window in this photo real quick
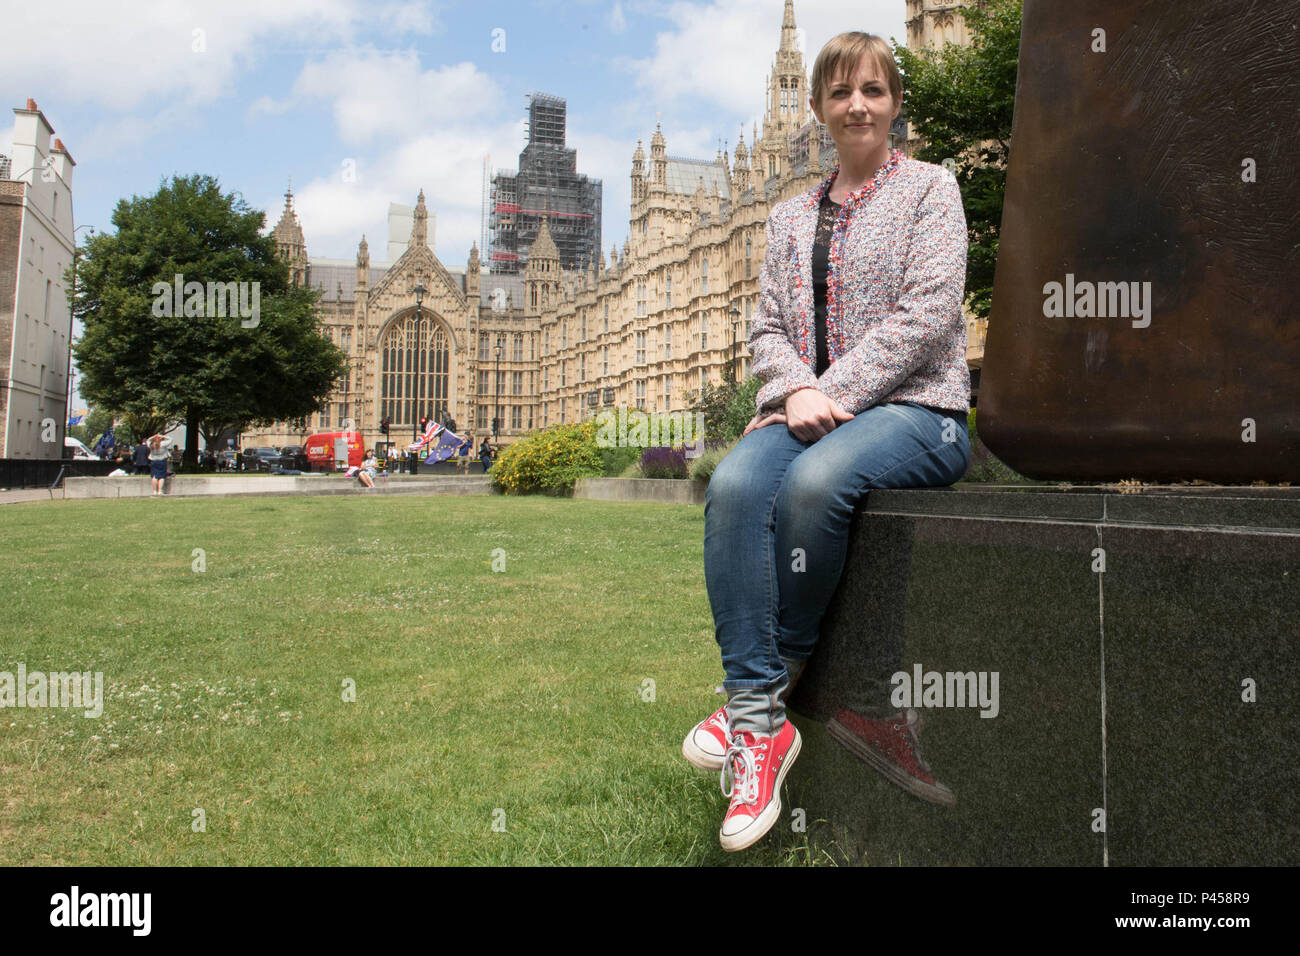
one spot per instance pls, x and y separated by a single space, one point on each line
414 363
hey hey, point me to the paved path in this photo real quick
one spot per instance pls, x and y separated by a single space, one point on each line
29 494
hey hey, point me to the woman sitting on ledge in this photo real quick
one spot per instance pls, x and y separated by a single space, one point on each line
367 471
860 344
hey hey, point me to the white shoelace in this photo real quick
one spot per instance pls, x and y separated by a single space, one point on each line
746 788
719 720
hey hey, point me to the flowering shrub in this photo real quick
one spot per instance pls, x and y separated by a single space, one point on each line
714 451
549 461
618 459
664 463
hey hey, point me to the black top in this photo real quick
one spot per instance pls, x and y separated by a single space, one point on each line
820 266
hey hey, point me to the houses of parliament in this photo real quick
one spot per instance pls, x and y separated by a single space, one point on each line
558 341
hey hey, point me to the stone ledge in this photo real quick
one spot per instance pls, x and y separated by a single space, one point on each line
198 486
1188 507
667 490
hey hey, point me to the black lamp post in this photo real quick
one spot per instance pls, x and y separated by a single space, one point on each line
735 334
419 329
72 308
497 417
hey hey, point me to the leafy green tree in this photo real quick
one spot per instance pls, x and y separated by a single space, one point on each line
143 424
961 100
131 428
727 408
142 355
96 422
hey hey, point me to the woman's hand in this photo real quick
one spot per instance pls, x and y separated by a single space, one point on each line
758 421
808 413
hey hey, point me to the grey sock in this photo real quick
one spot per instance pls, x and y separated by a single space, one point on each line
761 710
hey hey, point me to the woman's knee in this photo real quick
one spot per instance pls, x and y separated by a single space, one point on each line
731 481
746 474
809 487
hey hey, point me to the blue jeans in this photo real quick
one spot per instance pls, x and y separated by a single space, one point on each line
776 524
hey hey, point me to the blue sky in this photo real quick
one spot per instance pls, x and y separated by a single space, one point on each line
409 94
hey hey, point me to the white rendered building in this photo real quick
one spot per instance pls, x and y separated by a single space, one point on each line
36 247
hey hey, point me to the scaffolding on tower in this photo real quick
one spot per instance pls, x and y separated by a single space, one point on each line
547 186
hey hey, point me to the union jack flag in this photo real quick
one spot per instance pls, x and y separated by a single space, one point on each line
430 433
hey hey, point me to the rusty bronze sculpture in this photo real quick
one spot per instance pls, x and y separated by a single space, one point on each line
1146 307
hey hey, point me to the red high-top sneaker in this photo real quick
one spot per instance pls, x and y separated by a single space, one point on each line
757 766
706 745
891 746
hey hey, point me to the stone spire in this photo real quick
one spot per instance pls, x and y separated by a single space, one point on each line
472 277
542 279
658 158
363 266
788 36
420 227
740 174
543 246
289 241
638 174
787 85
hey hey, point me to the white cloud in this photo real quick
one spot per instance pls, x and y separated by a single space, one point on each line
379 94
608 159
406 129
447 164
616 20
268 106
722 52
124 56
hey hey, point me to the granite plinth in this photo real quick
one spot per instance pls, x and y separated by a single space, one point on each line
1143 715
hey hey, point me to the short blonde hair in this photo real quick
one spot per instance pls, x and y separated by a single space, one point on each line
842 53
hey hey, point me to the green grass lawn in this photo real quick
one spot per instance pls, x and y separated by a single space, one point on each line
499 715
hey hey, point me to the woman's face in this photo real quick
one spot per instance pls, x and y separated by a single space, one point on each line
858 110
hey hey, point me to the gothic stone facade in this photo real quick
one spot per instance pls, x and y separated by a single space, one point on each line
669 312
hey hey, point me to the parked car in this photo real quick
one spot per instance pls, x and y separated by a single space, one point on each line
72 448
260 459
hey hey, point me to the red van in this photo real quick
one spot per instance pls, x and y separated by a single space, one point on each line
320 449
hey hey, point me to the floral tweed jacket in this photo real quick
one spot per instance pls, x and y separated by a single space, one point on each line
895 281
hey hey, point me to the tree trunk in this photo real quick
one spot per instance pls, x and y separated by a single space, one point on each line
190 460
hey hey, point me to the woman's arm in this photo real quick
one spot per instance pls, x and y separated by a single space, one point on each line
925 315
774 358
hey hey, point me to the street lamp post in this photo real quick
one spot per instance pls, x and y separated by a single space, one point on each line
72 310
419 327
418 363
497 417
735 334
